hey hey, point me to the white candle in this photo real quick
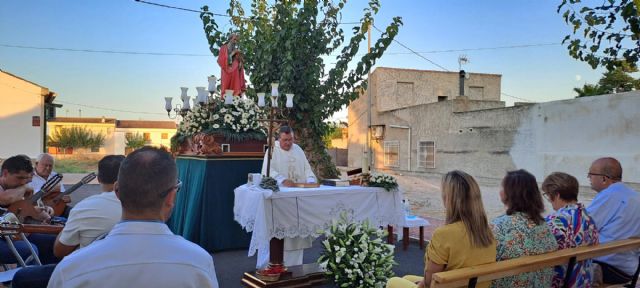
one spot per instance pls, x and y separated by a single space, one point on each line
261 99
289 100
167 103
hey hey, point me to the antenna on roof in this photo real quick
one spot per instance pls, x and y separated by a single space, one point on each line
462 60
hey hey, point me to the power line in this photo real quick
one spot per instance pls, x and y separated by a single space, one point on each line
215 14
519 98
414 52
105 51
109 109
210 55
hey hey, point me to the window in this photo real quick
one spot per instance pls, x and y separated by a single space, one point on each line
95 149
128 135
442 98
392 153
147 137
427 154
164 136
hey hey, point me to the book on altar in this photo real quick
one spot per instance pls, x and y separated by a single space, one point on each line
335 182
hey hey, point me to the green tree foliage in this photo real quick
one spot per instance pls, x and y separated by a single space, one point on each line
614 22
613 81
75 137
288 42
134 141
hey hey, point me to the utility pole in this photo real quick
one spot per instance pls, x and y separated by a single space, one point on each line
368 155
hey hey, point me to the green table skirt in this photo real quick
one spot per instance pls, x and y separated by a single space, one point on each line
203 212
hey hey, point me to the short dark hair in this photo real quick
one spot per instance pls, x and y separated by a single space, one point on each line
562 185
285 129
108 168
15 164
144 177
522 195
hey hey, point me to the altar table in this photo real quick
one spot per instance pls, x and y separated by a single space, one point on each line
302 212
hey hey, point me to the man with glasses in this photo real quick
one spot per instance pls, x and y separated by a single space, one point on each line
140 250
616 212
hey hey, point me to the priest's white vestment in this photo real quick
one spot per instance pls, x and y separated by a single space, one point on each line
292 165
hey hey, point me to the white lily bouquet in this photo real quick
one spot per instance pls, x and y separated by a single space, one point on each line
385 181
355 255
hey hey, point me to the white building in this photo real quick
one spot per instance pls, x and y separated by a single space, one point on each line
22 115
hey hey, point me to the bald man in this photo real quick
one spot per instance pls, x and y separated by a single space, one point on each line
616 212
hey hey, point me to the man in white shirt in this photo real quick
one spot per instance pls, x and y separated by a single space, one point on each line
140 251
90 218
289 165
43 172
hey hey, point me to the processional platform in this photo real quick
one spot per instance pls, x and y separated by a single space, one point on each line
203 211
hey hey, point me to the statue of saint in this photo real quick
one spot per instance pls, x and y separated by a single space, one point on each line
232 71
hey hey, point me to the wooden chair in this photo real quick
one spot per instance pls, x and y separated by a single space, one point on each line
470 276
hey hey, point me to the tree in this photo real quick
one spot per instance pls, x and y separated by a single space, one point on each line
613 81
616 22
134 141
75 137
288 42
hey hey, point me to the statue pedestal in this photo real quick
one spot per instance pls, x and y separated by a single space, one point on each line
203 211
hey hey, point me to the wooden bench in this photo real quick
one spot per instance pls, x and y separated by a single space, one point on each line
469 276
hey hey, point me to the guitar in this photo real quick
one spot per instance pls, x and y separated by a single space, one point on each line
54 199
25 209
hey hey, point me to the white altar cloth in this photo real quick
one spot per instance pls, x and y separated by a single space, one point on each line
302 212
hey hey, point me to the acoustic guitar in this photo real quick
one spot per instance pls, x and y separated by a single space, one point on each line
54 198
25 209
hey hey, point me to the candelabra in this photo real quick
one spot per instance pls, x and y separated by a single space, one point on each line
273 116
201 99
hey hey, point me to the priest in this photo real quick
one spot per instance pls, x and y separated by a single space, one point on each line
289 165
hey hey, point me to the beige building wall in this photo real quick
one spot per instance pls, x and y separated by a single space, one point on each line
157 137
107 129
396 93
21 101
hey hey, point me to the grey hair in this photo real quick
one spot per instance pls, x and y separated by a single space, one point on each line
43 155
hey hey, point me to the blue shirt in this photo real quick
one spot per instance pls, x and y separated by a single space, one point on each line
616 211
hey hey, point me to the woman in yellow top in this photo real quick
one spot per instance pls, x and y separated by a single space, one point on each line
466 239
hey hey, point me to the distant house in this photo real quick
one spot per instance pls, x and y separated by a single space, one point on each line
23 114
155 133
419 126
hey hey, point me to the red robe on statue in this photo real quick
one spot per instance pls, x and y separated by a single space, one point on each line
231 76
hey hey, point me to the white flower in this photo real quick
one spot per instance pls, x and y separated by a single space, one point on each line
216 126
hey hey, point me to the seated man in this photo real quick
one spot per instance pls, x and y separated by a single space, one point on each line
43 172
140 251
616 212
89 219
289 165
16 173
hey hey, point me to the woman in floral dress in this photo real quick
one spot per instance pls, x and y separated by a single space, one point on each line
571 225
522 231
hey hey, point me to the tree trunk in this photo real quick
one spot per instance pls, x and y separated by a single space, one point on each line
319 159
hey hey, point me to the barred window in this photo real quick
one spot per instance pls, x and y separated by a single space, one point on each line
427 154
392 153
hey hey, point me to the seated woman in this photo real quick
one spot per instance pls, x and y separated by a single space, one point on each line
571 225
466 239
522 231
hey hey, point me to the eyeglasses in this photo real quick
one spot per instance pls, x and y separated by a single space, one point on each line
597 174
547 196
177 187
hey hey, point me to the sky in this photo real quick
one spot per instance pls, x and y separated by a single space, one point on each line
518 39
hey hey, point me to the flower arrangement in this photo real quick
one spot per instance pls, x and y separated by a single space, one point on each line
355 255
237 122
385 181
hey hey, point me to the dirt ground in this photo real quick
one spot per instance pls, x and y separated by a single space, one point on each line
423 194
